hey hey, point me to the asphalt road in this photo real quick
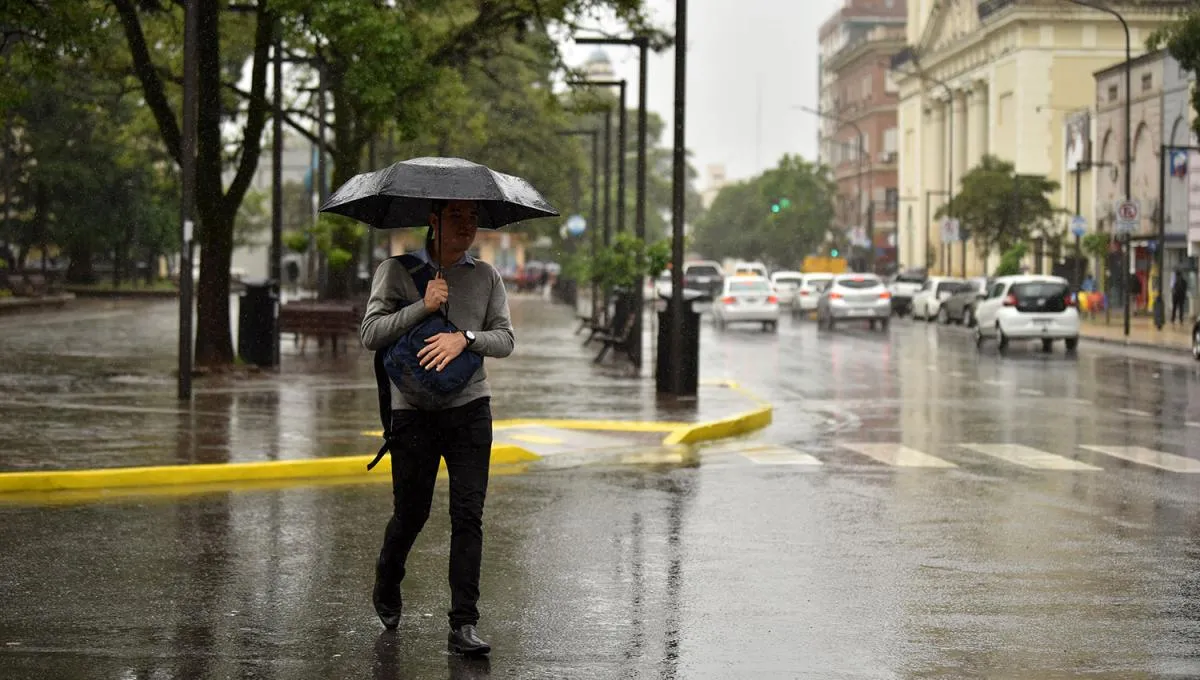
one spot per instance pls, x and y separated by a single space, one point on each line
918 510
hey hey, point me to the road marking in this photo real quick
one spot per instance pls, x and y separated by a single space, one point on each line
957 374
536 439
779 455
1029 457
995 383
1145 456
1031 393
1134 412
1192 424
898 455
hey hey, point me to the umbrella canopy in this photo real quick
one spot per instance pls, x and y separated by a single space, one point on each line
402 195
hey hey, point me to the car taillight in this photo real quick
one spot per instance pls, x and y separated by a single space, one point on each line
1010 301
728 299
804 292
885 295
772 299
1071 300
835 296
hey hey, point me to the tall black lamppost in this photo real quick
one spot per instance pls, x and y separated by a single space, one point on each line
593 222
639 226
187 204
1128 144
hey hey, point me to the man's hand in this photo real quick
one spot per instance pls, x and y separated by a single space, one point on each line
440 350
436 293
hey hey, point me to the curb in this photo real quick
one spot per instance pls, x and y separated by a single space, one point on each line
1135 343
354 468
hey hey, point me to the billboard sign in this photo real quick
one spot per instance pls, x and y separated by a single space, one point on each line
1078 139
1193 185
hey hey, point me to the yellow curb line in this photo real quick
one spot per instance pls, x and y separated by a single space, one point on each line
210 473
351 469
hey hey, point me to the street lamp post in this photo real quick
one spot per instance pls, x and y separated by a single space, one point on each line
643 44
621 128
593 224
870 222
678 185
187 162
1128 142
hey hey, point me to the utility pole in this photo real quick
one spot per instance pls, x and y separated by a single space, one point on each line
679 183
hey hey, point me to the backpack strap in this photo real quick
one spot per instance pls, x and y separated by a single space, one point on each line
419 271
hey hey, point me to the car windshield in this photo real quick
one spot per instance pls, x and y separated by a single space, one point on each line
1039 290
909 279
859 282
702 270
948 287
748 287
787 282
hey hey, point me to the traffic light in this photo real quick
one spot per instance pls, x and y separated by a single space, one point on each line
784 203
775 208
833 252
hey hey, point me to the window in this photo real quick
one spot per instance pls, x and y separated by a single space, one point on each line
997 291
889 83
1147 81
866 87
1112 93
891 200
889 140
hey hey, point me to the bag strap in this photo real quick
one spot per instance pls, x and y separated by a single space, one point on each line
419 271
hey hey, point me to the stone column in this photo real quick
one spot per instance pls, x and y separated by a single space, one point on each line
962 128
977 118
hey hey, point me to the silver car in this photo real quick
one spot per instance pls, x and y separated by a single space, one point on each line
855 297
747 299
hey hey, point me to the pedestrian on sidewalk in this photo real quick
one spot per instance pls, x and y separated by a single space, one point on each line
1179 294
427 427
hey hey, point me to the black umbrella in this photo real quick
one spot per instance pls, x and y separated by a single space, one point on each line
402 194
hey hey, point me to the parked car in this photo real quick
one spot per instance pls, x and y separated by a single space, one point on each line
786 285
810 290
903 287
1196 339
1028 307
960 307
855 297
703 275
746 299
928 300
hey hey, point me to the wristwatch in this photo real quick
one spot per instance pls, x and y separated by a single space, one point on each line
470 337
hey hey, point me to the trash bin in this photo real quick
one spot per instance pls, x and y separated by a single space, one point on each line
690 361
258 317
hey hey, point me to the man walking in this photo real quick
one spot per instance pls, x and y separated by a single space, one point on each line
425 426
1179 294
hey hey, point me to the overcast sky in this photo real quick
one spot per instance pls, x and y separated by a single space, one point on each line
745 57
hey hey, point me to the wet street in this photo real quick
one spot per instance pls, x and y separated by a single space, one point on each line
918 509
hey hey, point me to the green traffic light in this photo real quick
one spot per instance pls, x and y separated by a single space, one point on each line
775 208
785 203
834 252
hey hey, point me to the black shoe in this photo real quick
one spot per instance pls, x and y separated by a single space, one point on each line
465 640
388 604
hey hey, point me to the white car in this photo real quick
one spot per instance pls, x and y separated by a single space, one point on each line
928 300
746 299
1028 307
855 297
744 268
786 285
810 291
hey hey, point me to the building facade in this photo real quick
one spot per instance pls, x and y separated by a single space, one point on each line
998 77
859 97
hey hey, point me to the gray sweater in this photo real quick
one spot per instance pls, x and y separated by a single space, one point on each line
477 303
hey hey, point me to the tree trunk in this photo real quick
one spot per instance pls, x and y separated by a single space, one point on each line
80 269
214 339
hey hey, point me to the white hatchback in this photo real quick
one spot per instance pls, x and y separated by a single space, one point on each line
1028 308
786 284
858 297
810 291
747 299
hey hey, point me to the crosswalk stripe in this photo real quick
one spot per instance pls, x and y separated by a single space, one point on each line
1192 424
1134 412
1145 456
1029 457
898 455
778 455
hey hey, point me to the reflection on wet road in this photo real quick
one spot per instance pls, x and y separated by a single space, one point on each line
916 511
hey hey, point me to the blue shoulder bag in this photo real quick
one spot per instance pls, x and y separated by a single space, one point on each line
400 358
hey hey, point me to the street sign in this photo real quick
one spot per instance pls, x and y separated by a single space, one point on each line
1078 226
576 225
950 232
1129 216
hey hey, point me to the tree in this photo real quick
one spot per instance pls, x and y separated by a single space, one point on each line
1000 208
1182 41
245 38
778 217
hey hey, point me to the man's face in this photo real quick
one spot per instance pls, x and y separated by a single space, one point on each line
458 224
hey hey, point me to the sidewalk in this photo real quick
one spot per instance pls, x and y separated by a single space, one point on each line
93 387
1142 332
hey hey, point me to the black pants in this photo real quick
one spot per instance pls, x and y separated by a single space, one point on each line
1178 302
463 435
